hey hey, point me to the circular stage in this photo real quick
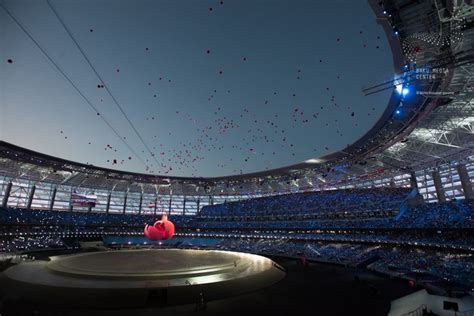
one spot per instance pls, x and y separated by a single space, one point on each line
166 263
155 277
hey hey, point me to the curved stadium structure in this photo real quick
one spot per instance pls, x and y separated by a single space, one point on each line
398 201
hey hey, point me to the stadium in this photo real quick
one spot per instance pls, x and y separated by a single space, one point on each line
384 225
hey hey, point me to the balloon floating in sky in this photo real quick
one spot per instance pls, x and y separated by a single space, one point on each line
161 230
242 131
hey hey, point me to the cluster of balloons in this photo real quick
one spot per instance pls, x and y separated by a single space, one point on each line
259 127
160 230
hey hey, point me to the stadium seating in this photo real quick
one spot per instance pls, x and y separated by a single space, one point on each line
395 238
312 202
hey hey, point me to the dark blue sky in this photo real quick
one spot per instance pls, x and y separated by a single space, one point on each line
244 87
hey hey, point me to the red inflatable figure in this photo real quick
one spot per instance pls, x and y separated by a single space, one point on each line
161 230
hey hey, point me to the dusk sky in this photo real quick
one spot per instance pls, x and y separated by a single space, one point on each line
213 88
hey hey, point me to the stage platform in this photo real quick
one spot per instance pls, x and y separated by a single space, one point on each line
156 277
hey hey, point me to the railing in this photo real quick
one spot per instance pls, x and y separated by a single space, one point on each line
417 312
469 312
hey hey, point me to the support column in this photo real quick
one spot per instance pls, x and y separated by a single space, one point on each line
197 206
418 199
156 206
438 186
125 202
169 210
184 206
8 190
413 182
140 206
107 207
465 182
70 201
53 197
30 197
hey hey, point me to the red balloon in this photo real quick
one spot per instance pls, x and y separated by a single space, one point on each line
161 230
153 234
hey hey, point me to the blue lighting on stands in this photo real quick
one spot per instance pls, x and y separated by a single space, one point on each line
404 91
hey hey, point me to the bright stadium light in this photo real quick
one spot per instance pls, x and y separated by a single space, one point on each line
399 88
314 160
402 90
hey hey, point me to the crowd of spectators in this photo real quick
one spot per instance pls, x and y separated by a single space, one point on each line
442 269
443 240
416 264
22 243
312 202
432 267
344 227
359 226
454 214
19 216
457 213
438 268
332 215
